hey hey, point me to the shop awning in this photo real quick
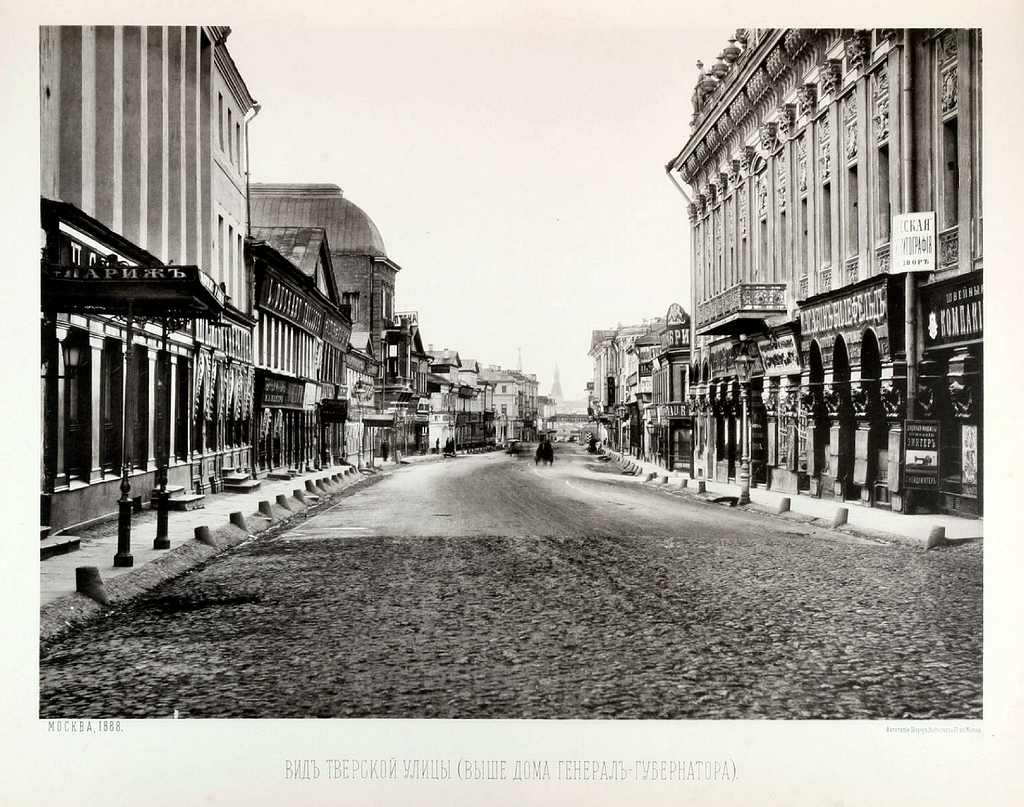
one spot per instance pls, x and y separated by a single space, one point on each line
151 291
89 269
378 419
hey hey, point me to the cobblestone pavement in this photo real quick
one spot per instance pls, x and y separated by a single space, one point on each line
736 617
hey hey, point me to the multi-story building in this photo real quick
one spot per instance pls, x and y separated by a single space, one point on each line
672 422
405 383
302 337
505 396
143 170
362 371
618 406
445 398
836 254
365 278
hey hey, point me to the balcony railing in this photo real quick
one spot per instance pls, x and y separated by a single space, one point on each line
741 302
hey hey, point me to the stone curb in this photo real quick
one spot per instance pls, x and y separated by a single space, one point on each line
65 614
803 518
867 533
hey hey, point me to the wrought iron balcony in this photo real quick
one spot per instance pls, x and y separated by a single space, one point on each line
740 307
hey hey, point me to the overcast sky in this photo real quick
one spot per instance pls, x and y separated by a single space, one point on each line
516 174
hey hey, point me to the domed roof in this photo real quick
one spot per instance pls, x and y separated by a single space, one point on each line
349 230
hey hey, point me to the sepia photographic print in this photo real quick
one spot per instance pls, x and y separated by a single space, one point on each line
562 405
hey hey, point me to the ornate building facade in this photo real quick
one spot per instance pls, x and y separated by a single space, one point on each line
857 379
143 170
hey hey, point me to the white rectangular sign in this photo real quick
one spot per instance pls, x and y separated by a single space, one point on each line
913 243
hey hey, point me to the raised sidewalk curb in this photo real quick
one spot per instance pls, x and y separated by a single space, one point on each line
65 613
918 531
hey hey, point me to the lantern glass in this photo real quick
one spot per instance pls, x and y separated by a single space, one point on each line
72 355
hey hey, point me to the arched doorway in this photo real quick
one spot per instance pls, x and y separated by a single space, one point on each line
843 422
813 434
872 433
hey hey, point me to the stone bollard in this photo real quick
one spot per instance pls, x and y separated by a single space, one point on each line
937 537
265 510
662 480
298 494
282 500
89 583
784 505
649 476
204 535
310 486
702 487
842 513
679 482
239 520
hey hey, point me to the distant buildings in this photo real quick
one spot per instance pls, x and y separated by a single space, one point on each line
201 332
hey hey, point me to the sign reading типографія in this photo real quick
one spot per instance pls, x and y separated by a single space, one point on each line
913 243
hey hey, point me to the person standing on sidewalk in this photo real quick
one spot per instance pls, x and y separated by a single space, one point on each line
384 450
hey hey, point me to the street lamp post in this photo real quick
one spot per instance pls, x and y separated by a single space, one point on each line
744 367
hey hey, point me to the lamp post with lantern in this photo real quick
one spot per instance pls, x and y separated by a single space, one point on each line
744 368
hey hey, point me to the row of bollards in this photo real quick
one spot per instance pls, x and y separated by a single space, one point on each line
937 536
89 582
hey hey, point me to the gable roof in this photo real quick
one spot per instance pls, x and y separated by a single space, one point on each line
307 249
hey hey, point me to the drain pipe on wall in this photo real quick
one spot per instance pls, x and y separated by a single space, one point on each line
907 205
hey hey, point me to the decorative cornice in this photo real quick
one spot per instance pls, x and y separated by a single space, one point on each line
787 118
831 71
734 172
796 40
778 61
769 136
746 158
807 98
857 46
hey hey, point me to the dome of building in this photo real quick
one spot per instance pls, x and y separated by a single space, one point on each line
349 230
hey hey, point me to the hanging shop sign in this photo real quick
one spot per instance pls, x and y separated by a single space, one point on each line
921 455
780 355
721 359
953 312
278 298
675 410
284 394
913 243
334 410
336 332
851 312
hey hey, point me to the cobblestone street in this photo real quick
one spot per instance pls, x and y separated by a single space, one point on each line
715 620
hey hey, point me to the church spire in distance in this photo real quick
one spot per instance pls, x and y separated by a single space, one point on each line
556 387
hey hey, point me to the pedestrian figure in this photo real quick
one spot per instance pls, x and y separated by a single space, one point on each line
545 452
384 450
437 446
